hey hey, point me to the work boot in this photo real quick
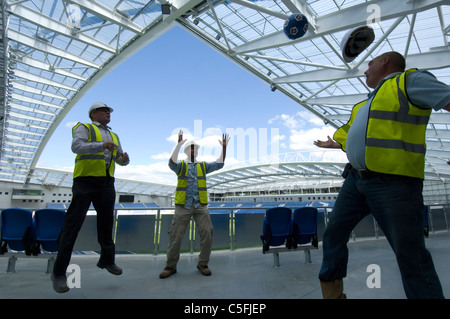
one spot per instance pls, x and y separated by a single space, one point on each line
59 283
167 271
111 268
204 270
333 289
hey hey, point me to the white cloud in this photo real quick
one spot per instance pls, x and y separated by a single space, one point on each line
70 124
161 156
278 138
159 173
301 140
211 140
304 128
299 119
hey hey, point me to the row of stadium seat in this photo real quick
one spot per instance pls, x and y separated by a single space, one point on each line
117 205
289 204
290 230
259 206
21 230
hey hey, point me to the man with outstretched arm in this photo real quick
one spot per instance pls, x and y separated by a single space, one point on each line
384 141
191 199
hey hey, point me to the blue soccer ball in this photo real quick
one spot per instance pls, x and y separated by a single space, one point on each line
295 26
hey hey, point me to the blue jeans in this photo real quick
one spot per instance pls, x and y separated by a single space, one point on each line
396 203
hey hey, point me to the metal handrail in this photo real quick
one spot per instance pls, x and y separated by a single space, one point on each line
232 214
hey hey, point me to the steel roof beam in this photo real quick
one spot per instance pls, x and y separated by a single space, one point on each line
427 60
340 20
107 14
46 67
40 45
39 79
32 110
17 130
30 100
435 118
17 122
36 91
45 22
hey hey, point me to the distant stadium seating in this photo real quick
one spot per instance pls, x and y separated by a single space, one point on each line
64 206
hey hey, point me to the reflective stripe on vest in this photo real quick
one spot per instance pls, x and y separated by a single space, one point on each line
180 194
395 136
94 164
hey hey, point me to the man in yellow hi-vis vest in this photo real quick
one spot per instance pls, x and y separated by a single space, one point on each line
385 144
191 200
98 150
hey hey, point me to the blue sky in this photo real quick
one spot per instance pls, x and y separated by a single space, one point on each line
176 82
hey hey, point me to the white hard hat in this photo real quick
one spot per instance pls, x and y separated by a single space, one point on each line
98 105
356 41
188 145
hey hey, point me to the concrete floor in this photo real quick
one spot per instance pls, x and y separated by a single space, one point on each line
236 275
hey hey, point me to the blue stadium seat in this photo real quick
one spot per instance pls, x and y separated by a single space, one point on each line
133 205
230 204
304 226
271 204
58 205
277 227
48 223
250 204
17 230
294 204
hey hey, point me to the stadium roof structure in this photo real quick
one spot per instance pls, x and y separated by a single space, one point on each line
293 172
50 178
54 51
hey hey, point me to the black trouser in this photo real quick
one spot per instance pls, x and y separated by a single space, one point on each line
86 190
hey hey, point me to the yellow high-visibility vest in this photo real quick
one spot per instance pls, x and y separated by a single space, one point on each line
94 164
180 194
396 128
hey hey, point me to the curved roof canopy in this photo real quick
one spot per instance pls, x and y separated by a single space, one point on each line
283 177
54 51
